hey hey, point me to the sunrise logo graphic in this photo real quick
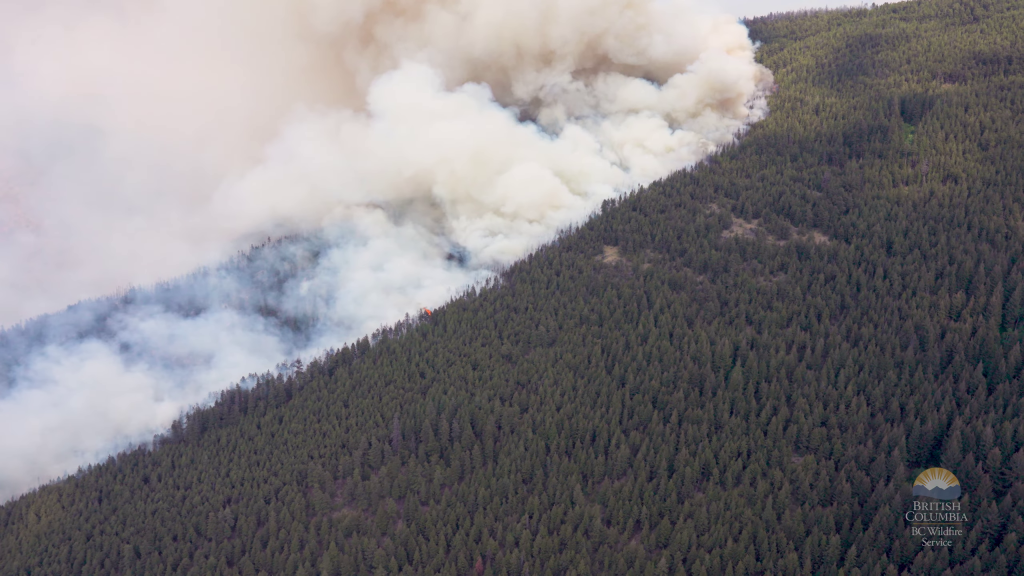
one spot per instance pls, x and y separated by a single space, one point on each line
937 483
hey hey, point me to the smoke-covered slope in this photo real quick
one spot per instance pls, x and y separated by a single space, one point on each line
425 144
739 369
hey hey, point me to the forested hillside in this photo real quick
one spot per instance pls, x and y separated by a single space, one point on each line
739 370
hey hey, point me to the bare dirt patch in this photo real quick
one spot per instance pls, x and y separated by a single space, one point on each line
741 228
611 255
816 237
752 229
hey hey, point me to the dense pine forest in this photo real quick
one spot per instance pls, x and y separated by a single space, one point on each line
738 370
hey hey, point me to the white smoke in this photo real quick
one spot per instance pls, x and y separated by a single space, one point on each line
141 139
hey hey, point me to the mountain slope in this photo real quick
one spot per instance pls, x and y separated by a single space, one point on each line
737 370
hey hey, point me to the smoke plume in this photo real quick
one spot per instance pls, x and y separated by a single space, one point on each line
406 148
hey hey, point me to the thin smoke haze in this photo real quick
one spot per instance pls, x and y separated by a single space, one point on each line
406 149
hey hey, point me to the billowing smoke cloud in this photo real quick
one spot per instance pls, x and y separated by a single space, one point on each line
417 145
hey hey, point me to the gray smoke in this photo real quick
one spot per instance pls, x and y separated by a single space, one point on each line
140 140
